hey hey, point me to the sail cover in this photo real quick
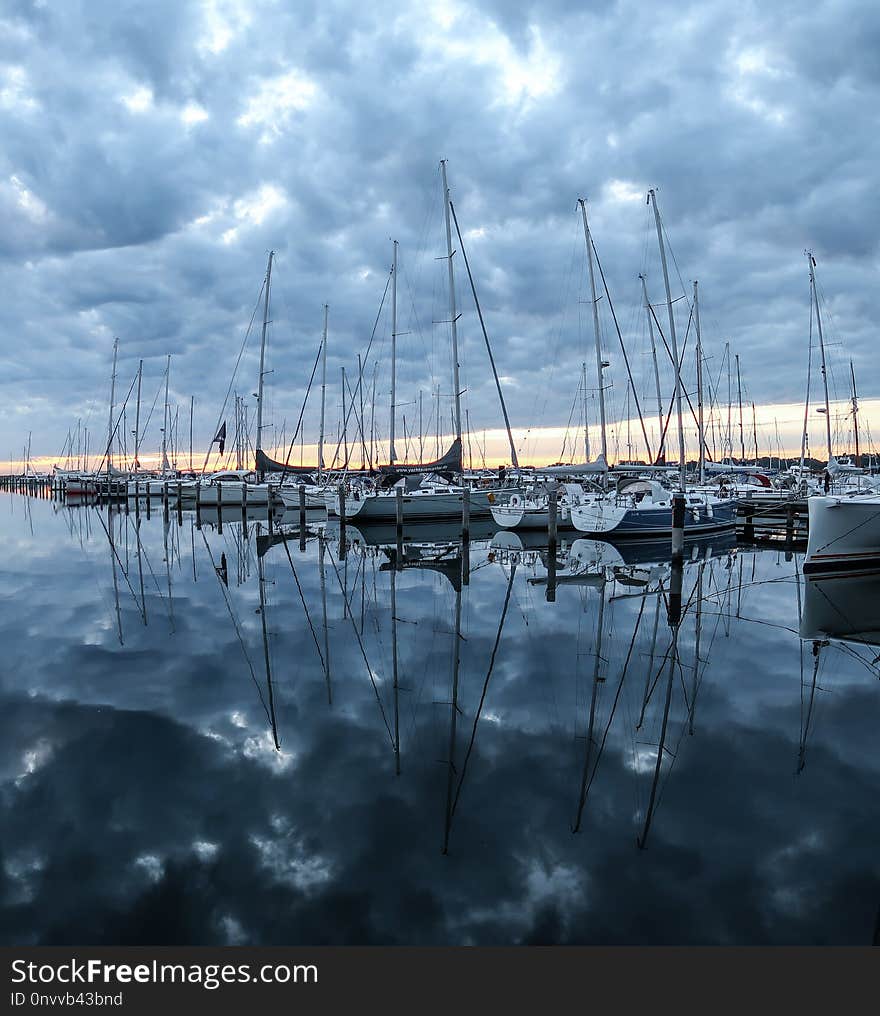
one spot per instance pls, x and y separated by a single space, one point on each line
267 465
446 465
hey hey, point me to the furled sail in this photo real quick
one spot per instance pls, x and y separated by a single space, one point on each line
267 465
446 465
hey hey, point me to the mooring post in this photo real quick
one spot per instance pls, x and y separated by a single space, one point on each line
552 507
678 504
341 491
749 527
398 513
179 503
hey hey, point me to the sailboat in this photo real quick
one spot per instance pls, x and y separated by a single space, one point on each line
643 506
424 491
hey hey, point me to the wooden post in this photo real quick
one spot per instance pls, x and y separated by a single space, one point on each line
466 536
552 506
179 503
198 504
398 507
219 486
678 506
749 528
302 518
341 491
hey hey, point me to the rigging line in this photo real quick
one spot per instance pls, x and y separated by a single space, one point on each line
118 561
485 687
116 428
623 350
305 608
225 593
234 372
363 651
612 711
143 433
360 377
486 337
302 412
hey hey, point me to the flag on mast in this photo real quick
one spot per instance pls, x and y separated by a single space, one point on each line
221 437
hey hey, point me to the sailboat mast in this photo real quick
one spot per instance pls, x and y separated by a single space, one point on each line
392 454
586 420
661 453
344 423
855 408
323 393
165 418
192 405
700 436
453 316
112 401
673 339
259 447
137 420
598 336
812 263
739 396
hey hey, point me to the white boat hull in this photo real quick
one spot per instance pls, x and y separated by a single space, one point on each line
844 532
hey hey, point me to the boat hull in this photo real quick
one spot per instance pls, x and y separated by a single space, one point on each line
844 533
604 516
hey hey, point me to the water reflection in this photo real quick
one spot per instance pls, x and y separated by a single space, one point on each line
247 729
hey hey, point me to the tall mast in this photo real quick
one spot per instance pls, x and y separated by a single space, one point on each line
812 263
855 408
700 437
360 389
453 316
344 423
661 451
259 447
392 455
323 393
599 364
192 404
137 420
739 396
112 400
653 197
729 403
586 421
165 427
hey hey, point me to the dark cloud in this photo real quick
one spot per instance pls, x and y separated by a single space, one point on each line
152 156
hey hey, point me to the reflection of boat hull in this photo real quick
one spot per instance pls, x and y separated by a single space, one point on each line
844 533
842 606
208 494
652 551
374 535
528 516
418 505
289 495
602 515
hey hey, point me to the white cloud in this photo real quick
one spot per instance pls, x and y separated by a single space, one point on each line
275 101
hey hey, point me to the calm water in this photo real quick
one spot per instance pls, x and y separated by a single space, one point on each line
160 786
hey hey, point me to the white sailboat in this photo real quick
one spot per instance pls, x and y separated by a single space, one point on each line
643 507
421 491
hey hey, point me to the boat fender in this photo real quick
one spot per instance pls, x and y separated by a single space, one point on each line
710 514
490 497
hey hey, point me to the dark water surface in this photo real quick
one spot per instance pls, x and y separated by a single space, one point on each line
159 787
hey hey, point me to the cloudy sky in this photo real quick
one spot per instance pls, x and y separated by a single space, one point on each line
153 154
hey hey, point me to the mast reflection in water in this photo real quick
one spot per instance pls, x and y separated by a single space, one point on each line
239 730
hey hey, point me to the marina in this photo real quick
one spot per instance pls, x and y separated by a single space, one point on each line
438 737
